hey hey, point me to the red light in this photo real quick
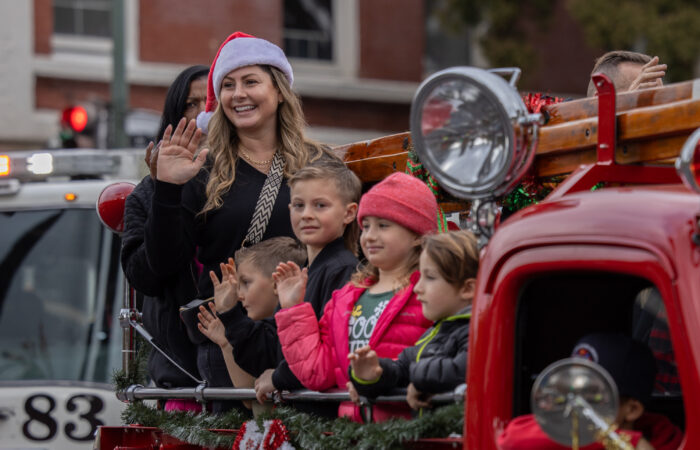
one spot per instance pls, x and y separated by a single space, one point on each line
110 205
76 117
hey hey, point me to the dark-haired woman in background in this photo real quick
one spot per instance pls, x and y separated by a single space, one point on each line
164 296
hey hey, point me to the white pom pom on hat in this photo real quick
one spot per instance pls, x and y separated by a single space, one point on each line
240 50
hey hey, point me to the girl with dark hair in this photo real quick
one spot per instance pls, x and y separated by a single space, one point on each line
163 296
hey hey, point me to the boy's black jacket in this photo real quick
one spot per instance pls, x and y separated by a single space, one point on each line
256 346
437 363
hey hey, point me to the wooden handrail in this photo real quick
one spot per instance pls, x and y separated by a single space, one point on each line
652 127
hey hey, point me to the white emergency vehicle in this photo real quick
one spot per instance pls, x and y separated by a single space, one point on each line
61 288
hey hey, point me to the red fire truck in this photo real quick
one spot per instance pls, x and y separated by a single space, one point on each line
624 257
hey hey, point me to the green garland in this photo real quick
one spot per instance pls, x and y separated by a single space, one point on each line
305 431
137 373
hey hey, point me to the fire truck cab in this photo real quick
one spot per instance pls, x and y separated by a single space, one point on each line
622 259
60 293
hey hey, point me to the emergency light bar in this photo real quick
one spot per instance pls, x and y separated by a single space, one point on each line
472 131
36 166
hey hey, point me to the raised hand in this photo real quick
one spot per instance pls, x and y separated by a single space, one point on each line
365 364
211 326
264 386
176 160
650 76
226 290
291 283
416 399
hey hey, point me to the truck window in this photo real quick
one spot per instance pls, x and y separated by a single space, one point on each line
53 296
555 310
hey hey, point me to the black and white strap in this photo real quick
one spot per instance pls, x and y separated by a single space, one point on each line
266 201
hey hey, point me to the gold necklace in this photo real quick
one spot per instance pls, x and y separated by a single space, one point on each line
255 161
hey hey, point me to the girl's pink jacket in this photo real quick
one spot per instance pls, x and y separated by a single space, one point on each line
317 351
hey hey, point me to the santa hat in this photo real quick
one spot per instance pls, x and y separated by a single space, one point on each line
403 199
240 50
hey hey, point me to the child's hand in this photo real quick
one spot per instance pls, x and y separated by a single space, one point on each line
365 364
226 290
354 396
263 385
211 326
650 76
291 284
416 399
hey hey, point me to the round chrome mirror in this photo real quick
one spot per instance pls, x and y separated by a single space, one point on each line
471 129
572 399
688 162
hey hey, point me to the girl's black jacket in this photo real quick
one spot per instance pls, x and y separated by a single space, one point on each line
437 363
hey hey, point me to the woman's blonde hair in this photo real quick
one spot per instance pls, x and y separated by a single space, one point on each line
223 142
455 253
368 274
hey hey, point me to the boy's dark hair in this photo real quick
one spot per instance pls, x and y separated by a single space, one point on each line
630 363
455 253
176 98
267 254
348 185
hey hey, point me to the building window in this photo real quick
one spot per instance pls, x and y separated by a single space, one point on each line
82 17
308 29
445 47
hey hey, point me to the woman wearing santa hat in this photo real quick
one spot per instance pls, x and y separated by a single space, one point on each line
232 192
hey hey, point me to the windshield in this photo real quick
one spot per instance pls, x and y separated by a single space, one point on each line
53 321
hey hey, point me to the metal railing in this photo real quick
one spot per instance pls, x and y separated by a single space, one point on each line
202 394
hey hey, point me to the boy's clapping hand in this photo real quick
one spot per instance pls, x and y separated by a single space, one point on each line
211 326
291 283
354 395
365 364
264 386
416 399
226 290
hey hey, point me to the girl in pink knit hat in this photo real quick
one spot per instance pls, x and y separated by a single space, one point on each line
377 307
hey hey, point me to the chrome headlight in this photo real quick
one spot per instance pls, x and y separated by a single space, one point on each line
688 162
472 131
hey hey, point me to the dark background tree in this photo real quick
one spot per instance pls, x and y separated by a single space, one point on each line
667 28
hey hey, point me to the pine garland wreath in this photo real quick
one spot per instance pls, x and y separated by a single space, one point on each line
304 430
137 373
531 189
415 168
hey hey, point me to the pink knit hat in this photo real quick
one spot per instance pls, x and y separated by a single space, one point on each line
403 199
240 50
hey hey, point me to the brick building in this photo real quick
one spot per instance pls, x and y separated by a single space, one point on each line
355 77
357 63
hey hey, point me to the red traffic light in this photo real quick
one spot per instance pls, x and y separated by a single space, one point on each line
76 117
110 205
